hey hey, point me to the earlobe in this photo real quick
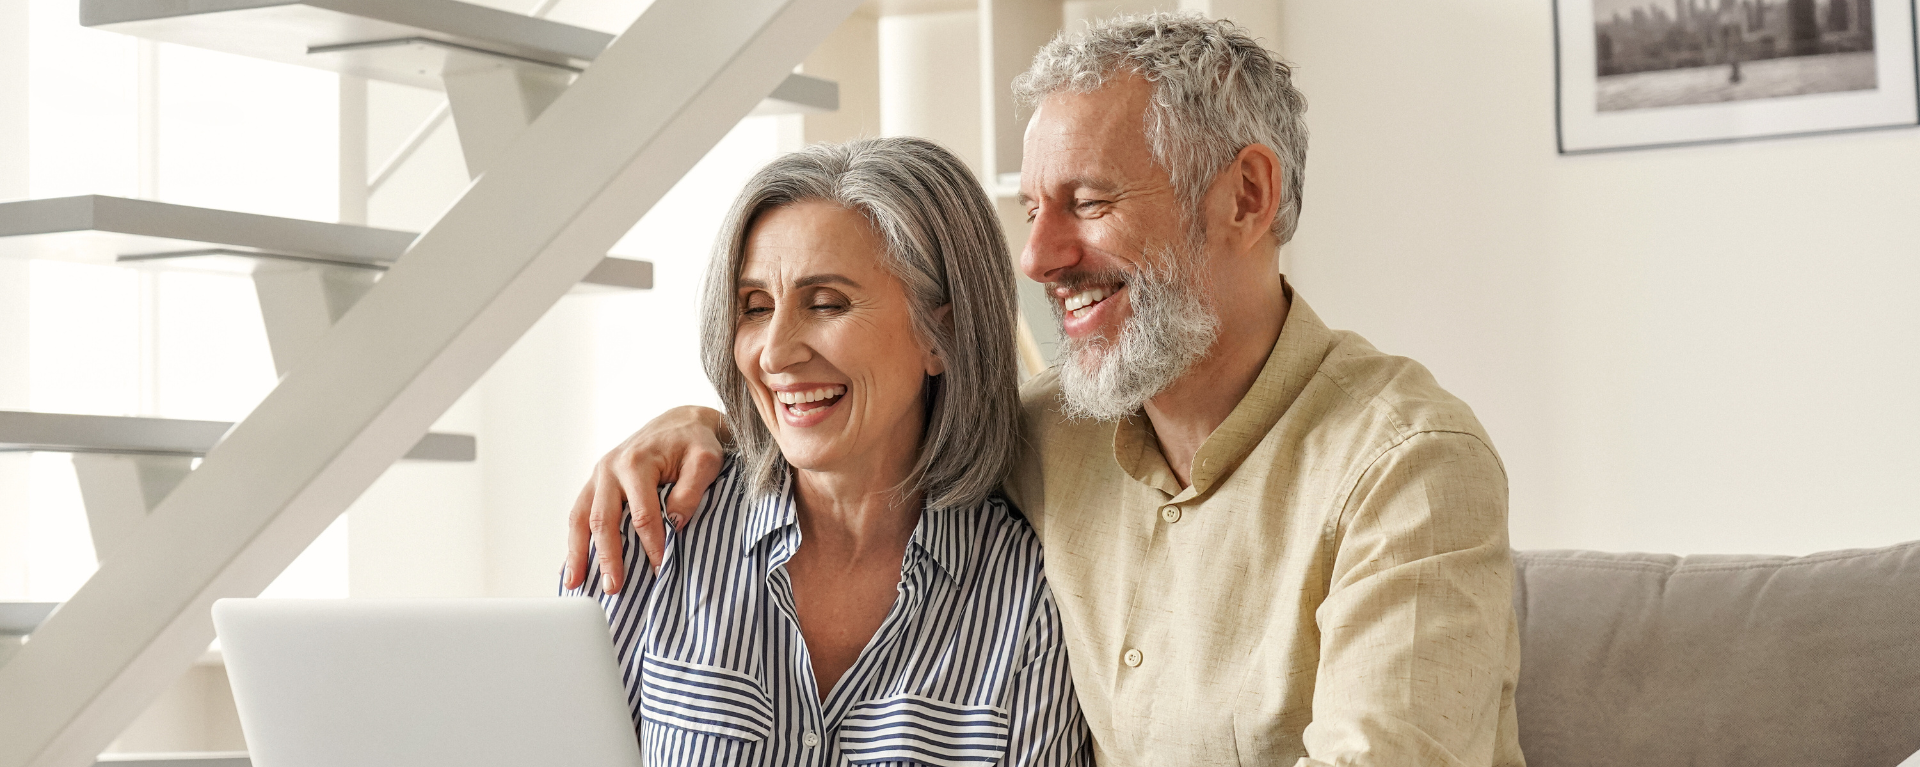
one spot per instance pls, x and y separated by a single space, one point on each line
943 317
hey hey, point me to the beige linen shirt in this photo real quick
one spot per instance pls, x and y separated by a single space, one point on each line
1335 587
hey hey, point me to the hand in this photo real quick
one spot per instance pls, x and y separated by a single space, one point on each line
682 446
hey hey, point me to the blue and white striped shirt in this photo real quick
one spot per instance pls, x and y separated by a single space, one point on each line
969 667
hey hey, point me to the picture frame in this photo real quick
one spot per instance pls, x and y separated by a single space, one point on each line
1636 74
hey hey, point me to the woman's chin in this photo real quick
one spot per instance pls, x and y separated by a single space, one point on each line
808 457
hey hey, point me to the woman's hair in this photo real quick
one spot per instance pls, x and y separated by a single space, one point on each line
944 244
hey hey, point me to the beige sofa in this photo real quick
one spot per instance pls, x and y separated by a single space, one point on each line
1654 660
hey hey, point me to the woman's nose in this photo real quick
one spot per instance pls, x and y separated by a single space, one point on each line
786 344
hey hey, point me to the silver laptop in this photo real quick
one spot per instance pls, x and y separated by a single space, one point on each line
426 683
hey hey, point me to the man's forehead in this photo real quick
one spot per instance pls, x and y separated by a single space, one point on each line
1114 110
1094 140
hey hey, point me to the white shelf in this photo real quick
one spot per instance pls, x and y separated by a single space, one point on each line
67 433
403 41
108 230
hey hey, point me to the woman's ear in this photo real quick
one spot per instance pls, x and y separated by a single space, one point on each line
942 317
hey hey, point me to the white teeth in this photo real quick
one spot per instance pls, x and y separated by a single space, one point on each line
813 395
1085 298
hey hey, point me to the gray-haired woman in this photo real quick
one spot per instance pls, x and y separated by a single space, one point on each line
853 589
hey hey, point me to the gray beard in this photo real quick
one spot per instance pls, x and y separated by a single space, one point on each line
1173 326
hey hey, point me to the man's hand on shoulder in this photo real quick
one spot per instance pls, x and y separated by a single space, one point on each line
682 446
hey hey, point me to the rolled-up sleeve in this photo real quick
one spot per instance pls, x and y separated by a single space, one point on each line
1416 632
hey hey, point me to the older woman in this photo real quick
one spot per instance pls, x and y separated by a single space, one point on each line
853 589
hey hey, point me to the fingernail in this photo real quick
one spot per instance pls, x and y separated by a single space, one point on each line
566 575
675 519
606 582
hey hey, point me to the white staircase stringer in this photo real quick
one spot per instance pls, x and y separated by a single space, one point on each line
493 104
537 222
119 490
300 302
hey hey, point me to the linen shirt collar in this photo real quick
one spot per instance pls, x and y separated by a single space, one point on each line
941 536
1303 344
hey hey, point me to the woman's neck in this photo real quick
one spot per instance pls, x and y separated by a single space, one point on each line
853 516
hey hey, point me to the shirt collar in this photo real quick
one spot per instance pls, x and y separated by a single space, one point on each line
1303 344
771 513
942 535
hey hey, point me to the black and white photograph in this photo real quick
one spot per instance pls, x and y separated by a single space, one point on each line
1639 73
1656 54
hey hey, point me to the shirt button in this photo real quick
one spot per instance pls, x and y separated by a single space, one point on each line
1170 513
1133 658
810 739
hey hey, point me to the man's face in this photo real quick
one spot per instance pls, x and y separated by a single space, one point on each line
1124 265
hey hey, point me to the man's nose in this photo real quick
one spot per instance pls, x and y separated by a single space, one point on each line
1053 244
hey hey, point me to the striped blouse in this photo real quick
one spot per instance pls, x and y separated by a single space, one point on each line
968 668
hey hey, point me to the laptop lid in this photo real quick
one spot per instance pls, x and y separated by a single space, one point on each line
426 683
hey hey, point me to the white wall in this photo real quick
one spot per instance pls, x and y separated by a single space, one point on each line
13 295
932 47
1706 349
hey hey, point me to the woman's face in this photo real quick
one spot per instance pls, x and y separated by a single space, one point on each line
826 342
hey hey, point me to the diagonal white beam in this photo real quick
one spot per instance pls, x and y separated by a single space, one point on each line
525 232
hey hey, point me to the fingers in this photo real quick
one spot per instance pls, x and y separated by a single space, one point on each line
642 486
579 538
698 469
603 520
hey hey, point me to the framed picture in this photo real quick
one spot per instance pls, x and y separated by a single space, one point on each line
1648 73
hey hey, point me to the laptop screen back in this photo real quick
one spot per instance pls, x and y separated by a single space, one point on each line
426 683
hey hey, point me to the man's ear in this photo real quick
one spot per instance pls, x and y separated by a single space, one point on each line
943 318
1257 185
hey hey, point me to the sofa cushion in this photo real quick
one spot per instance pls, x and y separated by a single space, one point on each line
1647 659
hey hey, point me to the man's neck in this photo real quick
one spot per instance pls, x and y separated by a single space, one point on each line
1186 413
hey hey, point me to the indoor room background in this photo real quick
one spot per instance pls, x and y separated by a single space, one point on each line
1706 349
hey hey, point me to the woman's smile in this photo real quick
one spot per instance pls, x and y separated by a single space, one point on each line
807 404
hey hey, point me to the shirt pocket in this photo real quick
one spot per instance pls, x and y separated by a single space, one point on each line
920 730
703 700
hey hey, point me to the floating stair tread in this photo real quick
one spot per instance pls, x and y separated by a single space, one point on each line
106 230
185 759
21 618
403 41
68 433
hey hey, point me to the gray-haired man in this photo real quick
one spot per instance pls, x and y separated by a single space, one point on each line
1269 541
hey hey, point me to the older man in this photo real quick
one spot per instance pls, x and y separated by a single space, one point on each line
1269 541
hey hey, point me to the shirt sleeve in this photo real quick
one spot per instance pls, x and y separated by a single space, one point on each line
625 610
1417 643
1046 727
